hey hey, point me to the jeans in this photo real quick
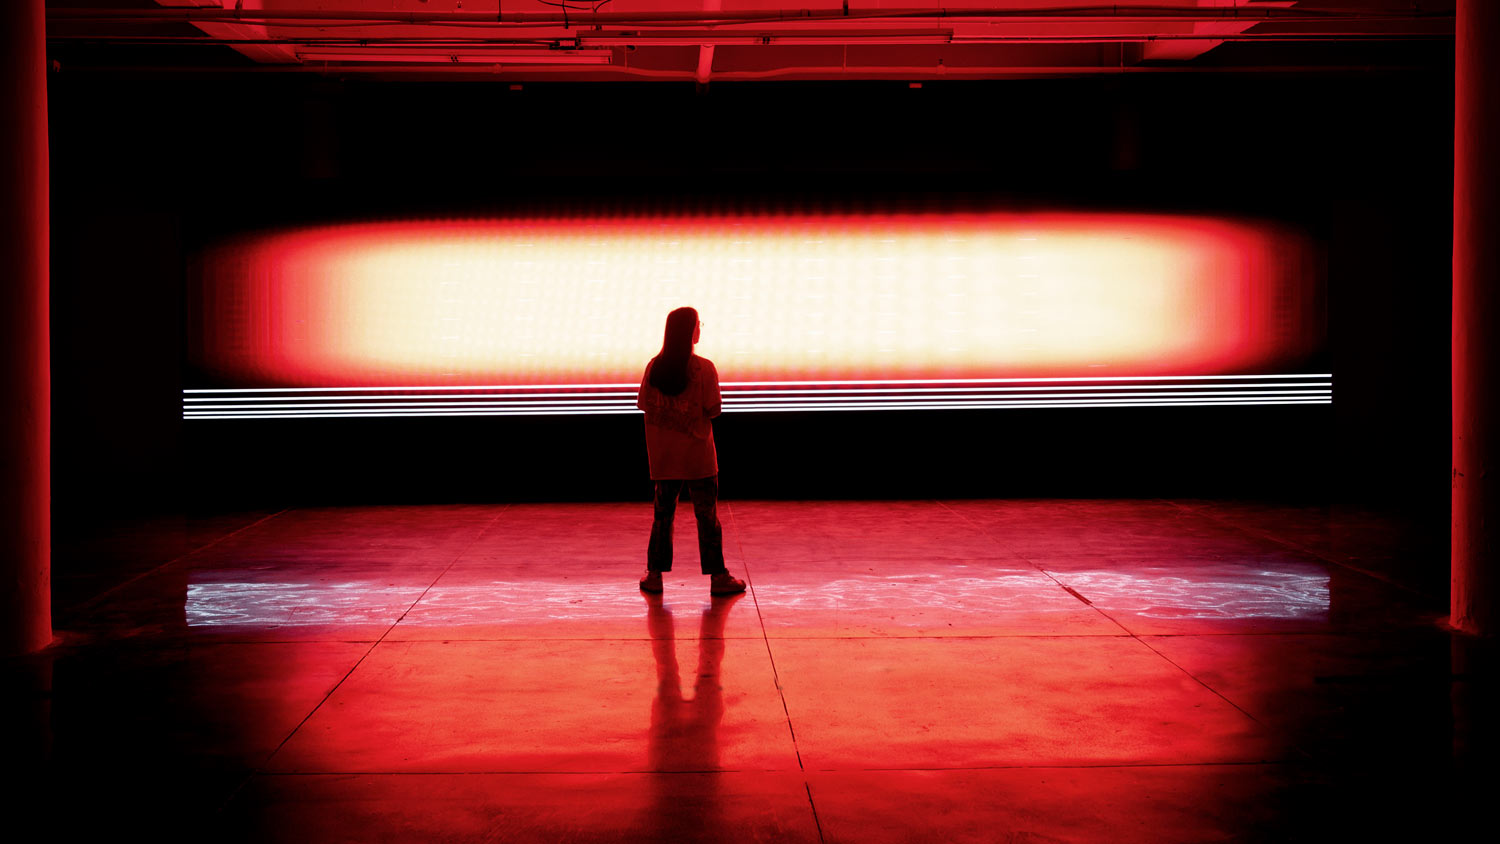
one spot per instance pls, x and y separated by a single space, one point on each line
705 494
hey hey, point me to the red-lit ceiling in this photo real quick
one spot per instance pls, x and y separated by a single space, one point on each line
708 40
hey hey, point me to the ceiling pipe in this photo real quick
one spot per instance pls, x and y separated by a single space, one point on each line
705 64
1097 13
456 56
706 52
733 38
874 73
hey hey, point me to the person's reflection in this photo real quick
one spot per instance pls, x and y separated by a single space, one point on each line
683 746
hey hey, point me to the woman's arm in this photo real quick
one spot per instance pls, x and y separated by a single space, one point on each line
713 401
640 396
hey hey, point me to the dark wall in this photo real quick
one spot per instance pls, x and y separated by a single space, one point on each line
145 170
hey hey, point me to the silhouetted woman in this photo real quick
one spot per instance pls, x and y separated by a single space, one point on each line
680 394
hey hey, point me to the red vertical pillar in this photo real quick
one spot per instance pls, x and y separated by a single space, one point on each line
25 363
1476 333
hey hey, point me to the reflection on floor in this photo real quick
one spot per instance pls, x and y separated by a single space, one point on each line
899 671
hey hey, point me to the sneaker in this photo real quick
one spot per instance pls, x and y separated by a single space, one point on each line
724 584
651 582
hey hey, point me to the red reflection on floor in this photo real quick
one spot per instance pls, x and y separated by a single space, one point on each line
898 671
1229 592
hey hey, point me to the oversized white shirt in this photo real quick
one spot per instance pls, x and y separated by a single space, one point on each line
679 437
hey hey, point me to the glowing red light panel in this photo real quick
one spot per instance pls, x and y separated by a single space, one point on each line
805 312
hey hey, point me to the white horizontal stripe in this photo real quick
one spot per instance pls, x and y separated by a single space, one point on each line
769 383
1184 388
730 402
630 395
334 415
765 408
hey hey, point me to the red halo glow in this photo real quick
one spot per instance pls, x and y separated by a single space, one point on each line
809 299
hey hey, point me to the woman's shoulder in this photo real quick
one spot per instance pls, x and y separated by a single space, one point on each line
703 363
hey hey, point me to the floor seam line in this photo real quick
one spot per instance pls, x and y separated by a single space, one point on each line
811 804
1005 554
1147 645
647 772
373 645
1132 634
766 639
775 674
1030 562
1198 680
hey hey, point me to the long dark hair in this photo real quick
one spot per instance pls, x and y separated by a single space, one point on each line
669 367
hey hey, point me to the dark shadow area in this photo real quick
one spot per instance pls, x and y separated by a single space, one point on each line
1362 162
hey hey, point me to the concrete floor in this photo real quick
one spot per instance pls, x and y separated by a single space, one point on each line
1021 671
